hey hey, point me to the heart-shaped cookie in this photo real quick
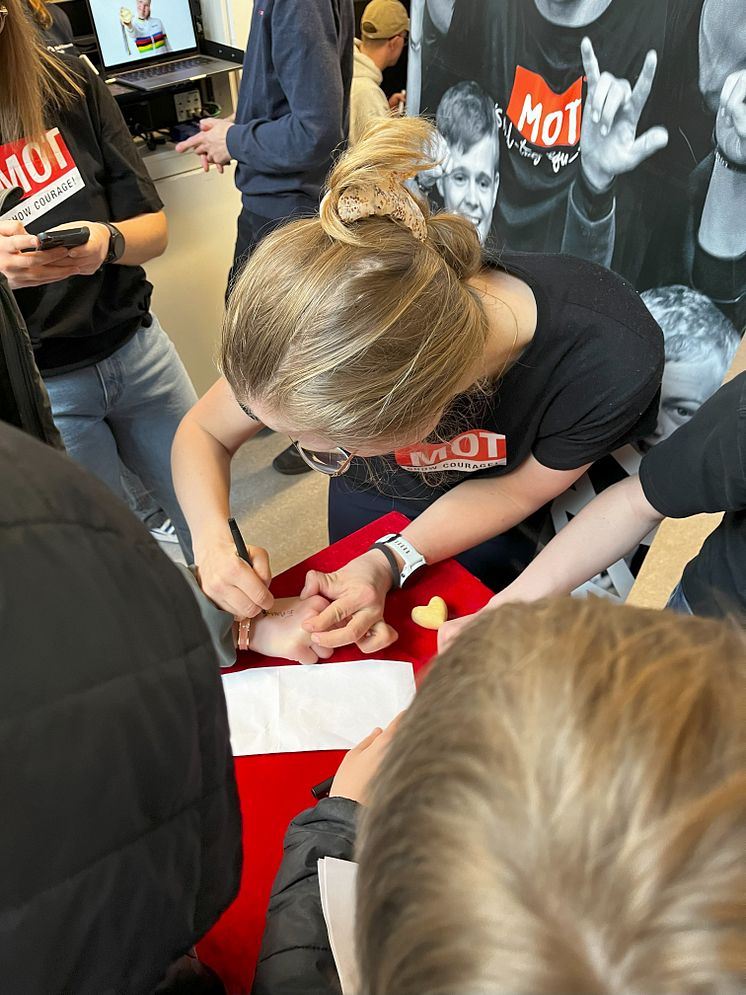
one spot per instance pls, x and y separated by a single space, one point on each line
432 615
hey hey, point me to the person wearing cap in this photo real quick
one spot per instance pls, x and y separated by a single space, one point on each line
383 28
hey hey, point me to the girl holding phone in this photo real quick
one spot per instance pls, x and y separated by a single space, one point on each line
117 387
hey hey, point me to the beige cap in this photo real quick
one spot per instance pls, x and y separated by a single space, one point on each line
384 19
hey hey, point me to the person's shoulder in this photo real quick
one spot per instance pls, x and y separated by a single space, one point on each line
729 403
81 71
583 289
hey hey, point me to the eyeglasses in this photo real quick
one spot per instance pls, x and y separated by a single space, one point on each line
332 464
3 15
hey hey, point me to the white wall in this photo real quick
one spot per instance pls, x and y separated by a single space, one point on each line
189 279
227 21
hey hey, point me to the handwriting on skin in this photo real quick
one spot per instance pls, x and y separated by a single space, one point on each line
283 614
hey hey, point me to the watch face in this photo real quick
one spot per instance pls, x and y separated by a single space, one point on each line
116 244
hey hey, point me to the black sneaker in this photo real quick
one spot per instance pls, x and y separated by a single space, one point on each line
290 462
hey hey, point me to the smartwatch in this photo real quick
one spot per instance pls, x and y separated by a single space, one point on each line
116 243
413 559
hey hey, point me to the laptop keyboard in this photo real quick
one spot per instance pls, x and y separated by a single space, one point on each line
166 68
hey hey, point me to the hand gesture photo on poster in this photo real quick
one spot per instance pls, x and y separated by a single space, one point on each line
609 145
730 127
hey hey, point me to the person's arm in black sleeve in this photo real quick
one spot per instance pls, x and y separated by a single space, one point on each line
129 188
134 205
721 277
295 957
310 75
719 261
609 147
590 221
623 361
702 466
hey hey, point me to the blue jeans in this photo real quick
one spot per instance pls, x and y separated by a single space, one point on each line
677 601
128 407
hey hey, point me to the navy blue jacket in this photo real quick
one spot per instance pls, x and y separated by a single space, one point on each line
294 102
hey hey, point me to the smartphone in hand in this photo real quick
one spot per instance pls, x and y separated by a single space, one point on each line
65 238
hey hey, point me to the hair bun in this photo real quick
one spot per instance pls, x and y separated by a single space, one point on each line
456 240
369 179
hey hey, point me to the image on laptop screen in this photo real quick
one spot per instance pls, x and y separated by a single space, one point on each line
138 31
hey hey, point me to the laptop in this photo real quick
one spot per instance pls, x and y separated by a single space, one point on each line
150 44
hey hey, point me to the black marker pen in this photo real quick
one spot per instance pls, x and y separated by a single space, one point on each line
238 540
322 790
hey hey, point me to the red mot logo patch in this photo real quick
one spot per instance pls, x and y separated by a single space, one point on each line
476 449
46 173
545 118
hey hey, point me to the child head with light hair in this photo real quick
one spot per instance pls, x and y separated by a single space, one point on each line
700 344
562 810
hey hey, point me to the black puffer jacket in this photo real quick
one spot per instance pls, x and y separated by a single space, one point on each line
296 958
120 838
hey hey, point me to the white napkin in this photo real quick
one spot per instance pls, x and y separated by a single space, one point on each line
323 706
337 884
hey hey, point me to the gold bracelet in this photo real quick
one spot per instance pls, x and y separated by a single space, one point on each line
244 634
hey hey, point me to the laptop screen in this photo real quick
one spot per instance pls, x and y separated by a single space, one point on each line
136 32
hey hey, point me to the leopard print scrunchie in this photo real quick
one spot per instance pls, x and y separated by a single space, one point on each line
389 200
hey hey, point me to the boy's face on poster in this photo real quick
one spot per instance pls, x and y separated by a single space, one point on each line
469 186
684 389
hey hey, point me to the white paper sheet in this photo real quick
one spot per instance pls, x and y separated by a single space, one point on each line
326 706
337 884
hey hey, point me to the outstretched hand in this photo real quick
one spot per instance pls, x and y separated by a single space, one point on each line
210 142
609 144
357 593
355 773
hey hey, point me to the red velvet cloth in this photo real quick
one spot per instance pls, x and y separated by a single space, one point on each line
273 789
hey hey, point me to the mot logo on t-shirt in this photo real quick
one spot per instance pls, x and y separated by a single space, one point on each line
544 118
46 173
476 449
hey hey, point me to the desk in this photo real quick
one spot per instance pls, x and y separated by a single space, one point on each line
274 788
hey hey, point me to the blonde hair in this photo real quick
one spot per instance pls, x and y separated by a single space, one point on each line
40 12
360 331
563 811
31 80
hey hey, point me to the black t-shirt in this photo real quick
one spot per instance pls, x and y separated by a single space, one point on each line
92 172
532 69
58 37
702 468
587 383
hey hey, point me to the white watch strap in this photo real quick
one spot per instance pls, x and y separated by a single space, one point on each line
412 557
